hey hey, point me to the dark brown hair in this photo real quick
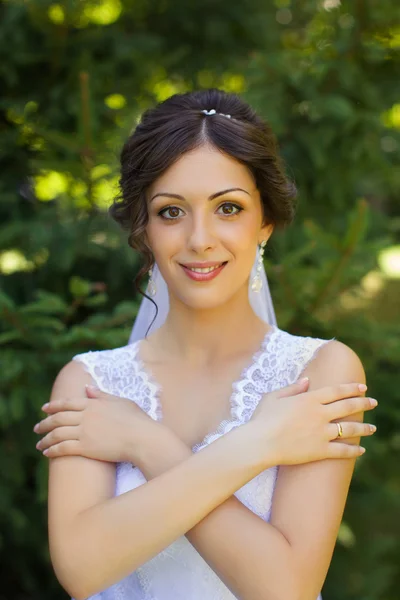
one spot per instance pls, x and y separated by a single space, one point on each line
178 125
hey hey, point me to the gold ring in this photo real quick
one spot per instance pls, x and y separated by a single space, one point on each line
340 430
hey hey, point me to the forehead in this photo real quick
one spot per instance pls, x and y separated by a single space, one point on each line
202 172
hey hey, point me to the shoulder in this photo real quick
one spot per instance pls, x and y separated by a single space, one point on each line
111 354
294 343
293 353
324 351
336 362
103 359
108 368
321 359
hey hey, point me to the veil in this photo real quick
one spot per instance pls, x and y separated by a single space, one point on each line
261 303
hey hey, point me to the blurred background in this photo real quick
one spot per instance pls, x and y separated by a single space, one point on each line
75 77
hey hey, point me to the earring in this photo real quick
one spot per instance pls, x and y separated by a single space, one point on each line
151 286
256 284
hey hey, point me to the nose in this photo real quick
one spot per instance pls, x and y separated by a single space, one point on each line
201 236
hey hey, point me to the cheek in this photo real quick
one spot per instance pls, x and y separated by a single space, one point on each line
163 239
240 235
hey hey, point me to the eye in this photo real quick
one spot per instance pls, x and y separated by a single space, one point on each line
169 208
176 208
231 204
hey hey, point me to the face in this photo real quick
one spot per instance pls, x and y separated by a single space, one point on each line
194 219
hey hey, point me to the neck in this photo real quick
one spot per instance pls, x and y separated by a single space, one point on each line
201 336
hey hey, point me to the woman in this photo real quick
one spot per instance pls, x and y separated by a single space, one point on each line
169 481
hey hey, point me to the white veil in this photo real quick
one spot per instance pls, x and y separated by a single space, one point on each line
261 303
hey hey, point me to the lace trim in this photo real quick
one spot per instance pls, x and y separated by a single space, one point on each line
153 387
237 405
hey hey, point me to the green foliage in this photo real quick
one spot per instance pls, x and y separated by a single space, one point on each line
78 76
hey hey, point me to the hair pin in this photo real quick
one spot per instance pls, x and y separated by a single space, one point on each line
214 112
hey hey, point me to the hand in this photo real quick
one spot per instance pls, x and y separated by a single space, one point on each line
99 426
296 425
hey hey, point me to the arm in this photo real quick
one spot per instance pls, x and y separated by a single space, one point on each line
309 498
252 558
288 557
110 521
96 539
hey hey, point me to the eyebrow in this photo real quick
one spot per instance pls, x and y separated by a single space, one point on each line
212 197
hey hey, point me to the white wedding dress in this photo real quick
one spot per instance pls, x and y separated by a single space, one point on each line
179 572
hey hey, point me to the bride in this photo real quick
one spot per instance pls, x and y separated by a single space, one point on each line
211 457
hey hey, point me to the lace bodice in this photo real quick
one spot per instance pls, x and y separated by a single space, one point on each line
179 572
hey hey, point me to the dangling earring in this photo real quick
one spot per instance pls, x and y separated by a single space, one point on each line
256 284
151 286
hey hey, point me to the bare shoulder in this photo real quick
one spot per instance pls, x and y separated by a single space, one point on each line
73 472
338 362
72 375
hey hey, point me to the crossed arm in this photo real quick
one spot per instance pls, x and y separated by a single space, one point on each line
192 495
287 558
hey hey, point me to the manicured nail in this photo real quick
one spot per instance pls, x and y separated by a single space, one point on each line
373 402
45 406
362 387
92 388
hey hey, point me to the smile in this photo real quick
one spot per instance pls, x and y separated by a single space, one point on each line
203 274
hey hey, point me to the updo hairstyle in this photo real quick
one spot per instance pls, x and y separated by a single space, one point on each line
178 125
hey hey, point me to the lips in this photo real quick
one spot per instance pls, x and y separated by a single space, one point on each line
203 265
206 269
205 273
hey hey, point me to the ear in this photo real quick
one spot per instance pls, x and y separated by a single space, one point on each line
265 233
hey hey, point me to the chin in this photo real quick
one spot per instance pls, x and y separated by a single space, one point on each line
204 299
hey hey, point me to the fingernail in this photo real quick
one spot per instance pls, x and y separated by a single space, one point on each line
45 406
36 427
373 402
362 387
303 380
92 388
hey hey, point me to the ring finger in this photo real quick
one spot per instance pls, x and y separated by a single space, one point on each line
350 429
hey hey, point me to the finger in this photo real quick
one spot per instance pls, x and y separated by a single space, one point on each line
65 404
92 391
95 392
339 450
349 406
66 448
298 387
350 429
58 419
329 394
60 434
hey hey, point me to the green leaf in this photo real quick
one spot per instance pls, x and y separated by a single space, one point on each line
10 336
35 321
46 302
79 287
6 301
97 300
